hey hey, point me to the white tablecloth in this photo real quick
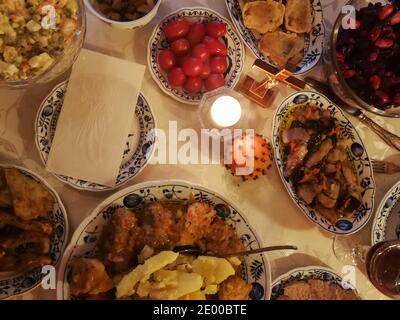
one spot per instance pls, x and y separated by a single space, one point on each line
265 202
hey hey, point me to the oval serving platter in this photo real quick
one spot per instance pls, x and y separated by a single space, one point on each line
358 153
256 269
305 273
16 284
139 146
313 42
236 52
386 224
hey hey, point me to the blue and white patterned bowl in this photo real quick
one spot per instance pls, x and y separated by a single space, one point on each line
313 42
16 284
386 224
305 273
256 269
236 52
134 159
357 150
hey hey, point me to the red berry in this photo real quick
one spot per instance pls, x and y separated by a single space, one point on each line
375 34
349 74
384 43
340 57
375 82
358 24
373 56
385 11
383 96
395 19
396 99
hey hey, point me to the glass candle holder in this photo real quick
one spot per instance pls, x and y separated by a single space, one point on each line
225 108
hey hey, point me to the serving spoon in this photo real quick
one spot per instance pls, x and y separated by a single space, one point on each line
196 251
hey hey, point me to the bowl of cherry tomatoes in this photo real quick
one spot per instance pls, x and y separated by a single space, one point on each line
194 51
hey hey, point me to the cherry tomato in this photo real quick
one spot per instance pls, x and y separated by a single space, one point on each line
216 29
214 81
180 46
166 59
219 64
177 29
196 33
192 67
176 77
215 46
201 51
180 59
206 71
193 85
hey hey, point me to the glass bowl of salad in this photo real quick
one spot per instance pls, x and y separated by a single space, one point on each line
39 39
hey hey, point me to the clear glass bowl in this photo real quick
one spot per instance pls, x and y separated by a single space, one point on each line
337 81
62 62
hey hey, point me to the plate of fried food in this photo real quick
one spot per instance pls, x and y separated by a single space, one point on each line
130 248
312 283
288 34
33 229
323 163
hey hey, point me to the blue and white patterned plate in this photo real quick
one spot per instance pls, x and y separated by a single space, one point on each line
256 269
357 151
16 284
305 273
139 145
236 52
313 42
386 225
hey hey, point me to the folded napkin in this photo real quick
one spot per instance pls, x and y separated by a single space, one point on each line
96 118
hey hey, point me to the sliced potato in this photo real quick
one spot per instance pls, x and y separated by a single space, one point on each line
177 283
213 270
126 287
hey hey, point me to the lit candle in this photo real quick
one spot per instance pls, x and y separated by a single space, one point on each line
226 111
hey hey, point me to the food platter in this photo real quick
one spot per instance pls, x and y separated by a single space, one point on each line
139 145
236 52
355 150
314 41
84 242
17 283
301 275
386 225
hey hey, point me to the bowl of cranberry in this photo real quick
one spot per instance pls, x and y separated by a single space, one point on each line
365 54
194 51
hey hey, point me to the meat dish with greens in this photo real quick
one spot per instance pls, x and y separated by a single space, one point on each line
318 162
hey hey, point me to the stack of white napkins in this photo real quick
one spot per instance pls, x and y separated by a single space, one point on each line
96 118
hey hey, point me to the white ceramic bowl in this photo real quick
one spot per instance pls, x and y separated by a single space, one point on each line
134 24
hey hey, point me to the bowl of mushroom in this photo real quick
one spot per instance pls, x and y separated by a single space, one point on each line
124 14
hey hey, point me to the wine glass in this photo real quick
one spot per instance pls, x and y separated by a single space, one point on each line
382 261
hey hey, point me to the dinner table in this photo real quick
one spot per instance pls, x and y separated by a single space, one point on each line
265 202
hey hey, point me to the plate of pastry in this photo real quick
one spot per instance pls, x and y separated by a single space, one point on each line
139 145
312 283
130 248
287 34
33 229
